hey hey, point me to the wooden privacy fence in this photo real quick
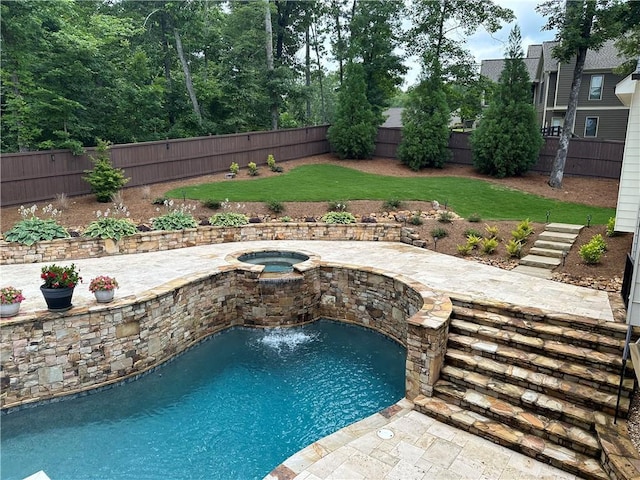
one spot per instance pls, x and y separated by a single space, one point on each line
35 176
586 158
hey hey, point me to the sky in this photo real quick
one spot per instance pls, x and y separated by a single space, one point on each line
484 45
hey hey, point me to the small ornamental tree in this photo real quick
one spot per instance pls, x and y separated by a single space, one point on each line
425 126
507 141
353 132
105 179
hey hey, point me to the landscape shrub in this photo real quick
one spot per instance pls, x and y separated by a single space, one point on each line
514 248
416 219
338 217
474 240
439 233
492 231
472 231
234 168
228 219
611 227
464 249
445 217
114 227
275 206
32 229
474 218
105 179
592 251
392 204
489 245
337 206
252 169
212 204
177 218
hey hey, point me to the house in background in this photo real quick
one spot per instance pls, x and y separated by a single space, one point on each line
628 208
600 114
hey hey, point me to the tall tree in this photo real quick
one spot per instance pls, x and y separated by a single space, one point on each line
582 25
375 41
507 142
353 133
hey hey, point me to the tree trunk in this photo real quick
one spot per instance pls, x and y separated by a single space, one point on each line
307 71
320 75
187 77
269 46
557 169
167 70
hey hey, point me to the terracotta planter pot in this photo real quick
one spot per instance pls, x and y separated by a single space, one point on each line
9 310
58 299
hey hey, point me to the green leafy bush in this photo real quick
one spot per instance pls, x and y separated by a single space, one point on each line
113 227
286 219
611 227
392 204
228 219
338 217
253 169
176 218
473 240
445 217
275 206
514 248
416 219
32 229
472 231
492 231
234 168
439 233
519 235
464 249
271 163
592 251
212 204
525 226
105 179
489 245
474 218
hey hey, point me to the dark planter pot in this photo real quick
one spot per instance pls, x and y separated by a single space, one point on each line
58 299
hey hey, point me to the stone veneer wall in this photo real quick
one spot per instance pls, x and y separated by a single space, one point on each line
48 355
83 247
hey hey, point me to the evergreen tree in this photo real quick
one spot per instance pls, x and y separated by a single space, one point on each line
507 142
354 130
425 120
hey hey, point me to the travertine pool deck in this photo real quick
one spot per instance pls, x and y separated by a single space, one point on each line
137 273
421 448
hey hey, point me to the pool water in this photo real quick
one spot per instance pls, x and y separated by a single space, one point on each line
274 261
234 407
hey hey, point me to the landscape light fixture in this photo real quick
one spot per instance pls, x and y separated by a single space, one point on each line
435 243
588 220
548 215
564 257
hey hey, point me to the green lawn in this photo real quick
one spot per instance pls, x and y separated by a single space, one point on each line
317 183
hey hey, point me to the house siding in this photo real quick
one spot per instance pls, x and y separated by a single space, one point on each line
565 77
612 124
609 98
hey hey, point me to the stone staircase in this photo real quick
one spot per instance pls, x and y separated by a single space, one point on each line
549 249
537 384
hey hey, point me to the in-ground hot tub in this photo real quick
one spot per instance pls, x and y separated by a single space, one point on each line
274 261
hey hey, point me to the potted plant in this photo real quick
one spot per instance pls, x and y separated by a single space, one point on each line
58 286
10 299
103 288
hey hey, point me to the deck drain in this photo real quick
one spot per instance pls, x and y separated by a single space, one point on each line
385 433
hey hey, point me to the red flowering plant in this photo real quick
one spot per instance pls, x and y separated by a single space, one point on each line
10 295
102 283
55 276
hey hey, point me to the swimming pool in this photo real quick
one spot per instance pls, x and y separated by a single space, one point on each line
234 407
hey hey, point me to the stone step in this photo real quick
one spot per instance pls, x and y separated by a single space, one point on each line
563 228
580 395
558 237
572 333
547 405
551 348
567 370
546 252
533 271
536 447
548 244
539 261
611 329
556 431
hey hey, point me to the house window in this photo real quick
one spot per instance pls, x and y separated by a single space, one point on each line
595 87
591 127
